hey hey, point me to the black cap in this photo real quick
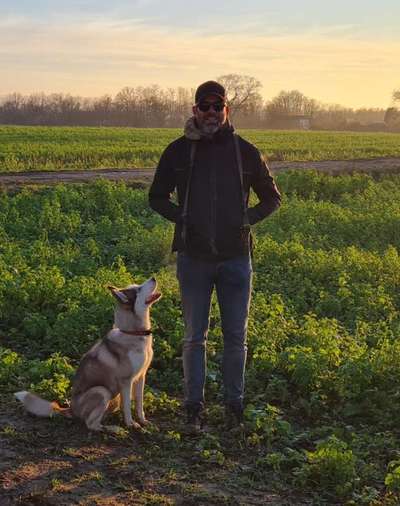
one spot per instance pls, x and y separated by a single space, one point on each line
209 88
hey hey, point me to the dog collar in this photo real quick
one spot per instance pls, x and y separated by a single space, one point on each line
136 332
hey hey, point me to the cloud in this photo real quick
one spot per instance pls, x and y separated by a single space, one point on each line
99 56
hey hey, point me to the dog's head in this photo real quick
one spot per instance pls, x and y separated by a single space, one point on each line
137 298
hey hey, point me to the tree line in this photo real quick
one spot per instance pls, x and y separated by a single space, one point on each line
153 106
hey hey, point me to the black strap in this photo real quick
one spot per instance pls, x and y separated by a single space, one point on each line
239 162
193 147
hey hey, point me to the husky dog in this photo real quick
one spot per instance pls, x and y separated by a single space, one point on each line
114 368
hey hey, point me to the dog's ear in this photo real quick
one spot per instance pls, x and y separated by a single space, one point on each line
131 294
120 296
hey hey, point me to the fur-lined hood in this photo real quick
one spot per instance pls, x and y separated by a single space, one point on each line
192 131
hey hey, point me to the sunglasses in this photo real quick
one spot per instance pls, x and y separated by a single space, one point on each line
205 106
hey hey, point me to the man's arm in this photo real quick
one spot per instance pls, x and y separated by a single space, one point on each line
267 192
162 188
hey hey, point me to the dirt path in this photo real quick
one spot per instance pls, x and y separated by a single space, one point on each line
144 175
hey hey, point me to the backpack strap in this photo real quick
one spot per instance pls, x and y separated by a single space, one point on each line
239 163
193 147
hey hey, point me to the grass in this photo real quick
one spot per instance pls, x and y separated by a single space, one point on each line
323 374
58 148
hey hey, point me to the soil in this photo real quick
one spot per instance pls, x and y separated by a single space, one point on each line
51 462
372 166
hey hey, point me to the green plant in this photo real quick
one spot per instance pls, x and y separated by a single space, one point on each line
331 468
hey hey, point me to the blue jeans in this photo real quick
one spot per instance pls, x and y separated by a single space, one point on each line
232 281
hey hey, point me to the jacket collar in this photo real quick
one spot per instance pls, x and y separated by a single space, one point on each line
192 131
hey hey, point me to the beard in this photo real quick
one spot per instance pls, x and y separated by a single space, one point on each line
209 129
210 126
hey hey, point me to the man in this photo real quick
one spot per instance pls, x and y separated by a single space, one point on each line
212 170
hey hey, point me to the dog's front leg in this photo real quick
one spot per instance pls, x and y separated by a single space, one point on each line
126 389
138 392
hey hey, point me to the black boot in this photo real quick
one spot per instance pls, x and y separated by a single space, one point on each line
194 422
233 415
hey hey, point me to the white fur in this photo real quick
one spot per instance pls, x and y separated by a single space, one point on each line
35 404
21 395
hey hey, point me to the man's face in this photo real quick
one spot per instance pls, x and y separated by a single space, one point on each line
213 116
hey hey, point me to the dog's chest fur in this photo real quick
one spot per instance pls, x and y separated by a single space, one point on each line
134 353
117 359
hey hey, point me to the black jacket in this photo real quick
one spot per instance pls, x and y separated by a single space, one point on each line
217 223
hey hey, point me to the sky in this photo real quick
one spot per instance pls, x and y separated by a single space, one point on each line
342 52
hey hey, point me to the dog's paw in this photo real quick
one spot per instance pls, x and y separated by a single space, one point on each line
114 429
134 425
148 426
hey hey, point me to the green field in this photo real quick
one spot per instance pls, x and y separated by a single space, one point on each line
323 376
56 148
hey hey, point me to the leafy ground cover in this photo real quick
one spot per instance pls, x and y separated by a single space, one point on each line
323 376
57 148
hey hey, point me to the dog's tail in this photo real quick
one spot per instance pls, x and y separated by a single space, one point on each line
39 407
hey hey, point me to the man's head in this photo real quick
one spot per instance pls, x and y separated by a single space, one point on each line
210 109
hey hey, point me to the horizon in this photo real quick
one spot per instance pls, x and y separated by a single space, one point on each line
343 54
323 105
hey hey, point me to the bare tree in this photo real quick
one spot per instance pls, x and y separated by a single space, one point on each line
126 99
392 114
153 106
101 110
178 106
292 103
243 91
13 102
126 106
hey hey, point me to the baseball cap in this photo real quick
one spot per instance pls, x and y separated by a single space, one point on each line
209 88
